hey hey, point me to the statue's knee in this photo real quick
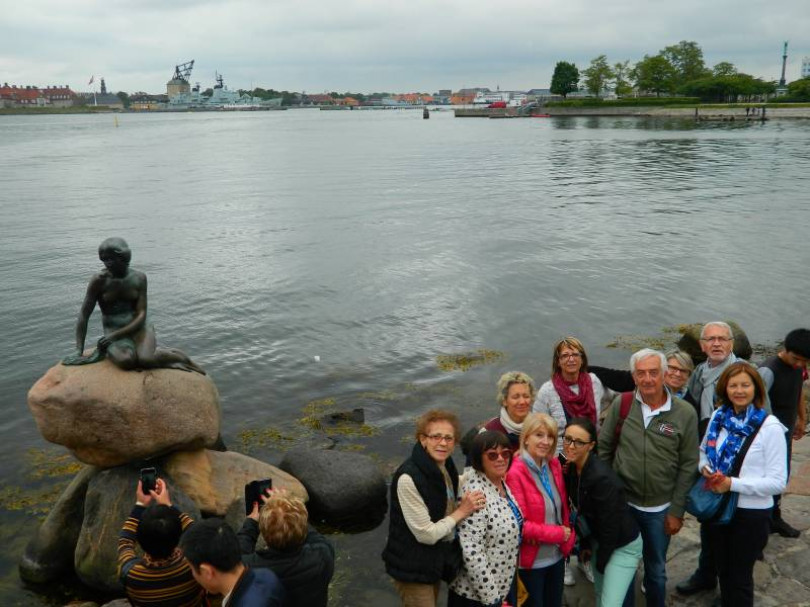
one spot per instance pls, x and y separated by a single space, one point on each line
123 359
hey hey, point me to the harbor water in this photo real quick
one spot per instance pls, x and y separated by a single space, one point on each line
313 261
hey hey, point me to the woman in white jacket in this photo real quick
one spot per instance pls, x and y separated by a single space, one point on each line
740 413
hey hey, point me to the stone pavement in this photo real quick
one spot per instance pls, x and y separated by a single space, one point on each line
782 579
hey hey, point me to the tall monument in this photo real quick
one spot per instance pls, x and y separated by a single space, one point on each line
784 65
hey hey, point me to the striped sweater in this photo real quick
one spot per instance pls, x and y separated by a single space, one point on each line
156 582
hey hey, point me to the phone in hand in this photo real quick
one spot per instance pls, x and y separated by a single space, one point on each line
254 491
148 480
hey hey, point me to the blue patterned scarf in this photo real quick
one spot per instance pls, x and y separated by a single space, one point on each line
739 427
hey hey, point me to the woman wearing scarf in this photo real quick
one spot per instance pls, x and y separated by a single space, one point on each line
535 479
515 395
571 391
741 413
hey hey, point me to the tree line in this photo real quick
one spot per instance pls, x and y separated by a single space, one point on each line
676 69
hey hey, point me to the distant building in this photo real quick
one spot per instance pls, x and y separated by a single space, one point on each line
103 98
144 102
318 100
34 96
806 67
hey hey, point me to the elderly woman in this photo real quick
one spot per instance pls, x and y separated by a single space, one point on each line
739 419
535 479
302 558
603 517
515 395
489 538
425 510
572 391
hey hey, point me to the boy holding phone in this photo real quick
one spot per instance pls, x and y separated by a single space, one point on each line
162 577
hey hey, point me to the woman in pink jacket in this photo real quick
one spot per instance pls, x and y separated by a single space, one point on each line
536 481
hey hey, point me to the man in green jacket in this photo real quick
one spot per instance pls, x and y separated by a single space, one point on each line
654 450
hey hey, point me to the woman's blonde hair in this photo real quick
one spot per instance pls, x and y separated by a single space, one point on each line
535 421
283 522
511 378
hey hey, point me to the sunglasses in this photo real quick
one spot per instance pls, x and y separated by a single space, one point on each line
494 456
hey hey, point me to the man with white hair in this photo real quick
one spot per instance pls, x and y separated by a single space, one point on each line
653 447
717 343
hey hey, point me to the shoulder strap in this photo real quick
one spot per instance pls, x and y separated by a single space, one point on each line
624 411
738 461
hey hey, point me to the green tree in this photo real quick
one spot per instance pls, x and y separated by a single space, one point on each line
724 68
621 73
728 89
687 59
124 97
655 75
597 75
565 79
799 90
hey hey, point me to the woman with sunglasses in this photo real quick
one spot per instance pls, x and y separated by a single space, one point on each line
535 479
425 509
604 524
490 537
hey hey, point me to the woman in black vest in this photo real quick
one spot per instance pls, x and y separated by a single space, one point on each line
422 550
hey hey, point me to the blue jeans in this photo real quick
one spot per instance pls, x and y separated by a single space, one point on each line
654 553
544 585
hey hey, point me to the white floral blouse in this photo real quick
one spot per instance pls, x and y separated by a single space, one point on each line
490 540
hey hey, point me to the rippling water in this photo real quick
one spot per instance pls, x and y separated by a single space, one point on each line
377 241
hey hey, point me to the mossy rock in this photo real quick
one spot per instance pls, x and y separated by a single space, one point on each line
49 554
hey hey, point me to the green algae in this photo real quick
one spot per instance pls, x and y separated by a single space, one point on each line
468 360
48 471
271 436
45 464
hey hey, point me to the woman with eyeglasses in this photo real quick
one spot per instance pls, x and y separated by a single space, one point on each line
490 537
425 510
572 391
604 524
535 479
515 395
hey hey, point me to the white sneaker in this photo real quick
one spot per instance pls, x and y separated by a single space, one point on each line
568 578
585 568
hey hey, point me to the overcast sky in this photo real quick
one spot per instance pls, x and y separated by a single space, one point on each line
378 45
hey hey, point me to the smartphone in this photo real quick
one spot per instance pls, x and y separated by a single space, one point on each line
253 492
148 480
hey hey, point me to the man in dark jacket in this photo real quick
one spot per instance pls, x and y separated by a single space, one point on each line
302 558
212 550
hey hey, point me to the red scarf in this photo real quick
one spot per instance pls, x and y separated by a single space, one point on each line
576 405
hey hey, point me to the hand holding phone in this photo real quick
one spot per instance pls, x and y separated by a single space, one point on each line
254 492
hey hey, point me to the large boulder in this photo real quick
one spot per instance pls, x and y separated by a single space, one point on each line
215 480
49 554
690 341
108 417
344 488
109 499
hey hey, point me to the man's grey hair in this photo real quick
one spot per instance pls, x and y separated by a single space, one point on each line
647 353
682 357
717 323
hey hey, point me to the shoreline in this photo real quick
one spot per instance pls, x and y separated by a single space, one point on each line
695 112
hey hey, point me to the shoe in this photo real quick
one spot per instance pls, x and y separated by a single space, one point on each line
568 578
780 526
694 585
585 568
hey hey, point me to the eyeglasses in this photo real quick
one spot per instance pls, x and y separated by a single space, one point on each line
679 370
568 441
717 340
438 438
494 456
571 355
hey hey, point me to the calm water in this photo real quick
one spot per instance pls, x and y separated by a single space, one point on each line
378 241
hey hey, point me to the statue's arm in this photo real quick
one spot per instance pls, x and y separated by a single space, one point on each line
137 322
88 305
